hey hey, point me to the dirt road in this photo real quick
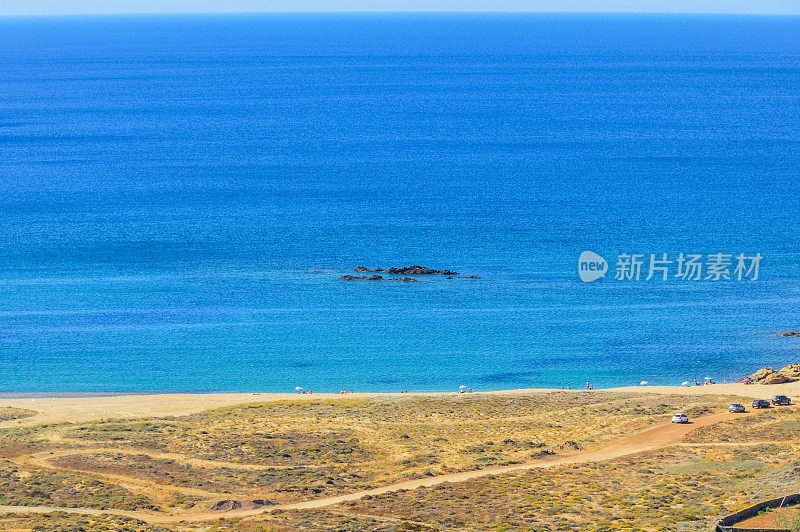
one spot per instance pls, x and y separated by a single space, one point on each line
651 439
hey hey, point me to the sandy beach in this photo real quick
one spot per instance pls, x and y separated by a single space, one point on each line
93 408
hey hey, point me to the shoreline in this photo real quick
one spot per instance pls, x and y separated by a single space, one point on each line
737 388
60 409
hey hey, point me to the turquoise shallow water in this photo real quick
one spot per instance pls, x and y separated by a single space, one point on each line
179 196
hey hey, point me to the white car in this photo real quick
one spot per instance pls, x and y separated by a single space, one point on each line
680 417
736 408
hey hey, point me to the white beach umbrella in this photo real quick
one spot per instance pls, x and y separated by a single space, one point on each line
685 383
644 383
298 388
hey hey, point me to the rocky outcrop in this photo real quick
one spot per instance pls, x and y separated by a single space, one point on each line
790 373
761 374
777 378
571 445
377 278
542 454
789 333
406 270
228 505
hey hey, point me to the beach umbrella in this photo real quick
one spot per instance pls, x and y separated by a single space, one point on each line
708 378
644 383
298 388
685 383
462 387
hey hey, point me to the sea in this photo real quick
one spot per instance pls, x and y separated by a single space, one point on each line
180 195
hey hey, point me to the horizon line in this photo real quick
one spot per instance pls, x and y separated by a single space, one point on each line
398 12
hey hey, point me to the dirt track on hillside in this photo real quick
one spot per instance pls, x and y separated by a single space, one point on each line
651 439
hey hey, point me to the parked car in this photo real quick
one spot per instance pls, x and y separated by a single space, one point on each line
737 408
760 403
680 417
780 400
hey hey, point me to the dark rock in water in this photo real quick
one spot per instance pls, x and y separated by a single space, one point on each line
406 270
364 278
377 278
228 505
790 333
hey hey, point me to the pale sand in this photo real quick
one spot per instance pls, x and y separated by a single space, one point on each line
81 409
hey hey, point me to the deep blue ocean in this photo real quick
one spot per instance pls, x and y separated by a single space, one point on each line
179 196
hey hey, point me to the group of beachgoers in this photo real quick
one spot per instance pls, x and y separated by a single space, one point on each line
309 392
589 386
705 382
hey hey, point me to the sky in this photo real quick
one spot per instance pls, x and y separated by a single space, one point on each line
53 7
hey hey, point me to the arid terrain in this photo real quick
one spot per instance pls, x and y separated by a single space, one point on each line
525 460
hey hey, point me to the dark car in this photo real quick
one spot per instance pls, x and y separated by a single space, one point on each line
760 403
780 400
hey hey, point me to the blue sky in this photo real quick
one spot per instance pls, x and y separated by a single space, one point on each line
41 7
